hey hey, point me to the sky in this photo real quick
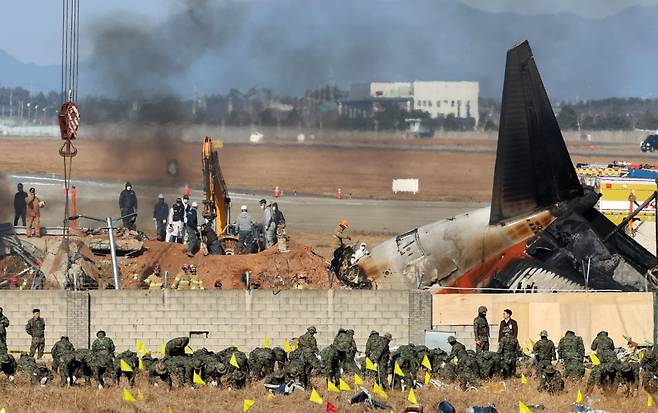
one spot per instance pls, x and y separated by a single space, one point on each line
31 29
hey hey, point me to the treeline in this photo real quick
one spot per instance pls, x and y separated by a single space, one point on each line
609 114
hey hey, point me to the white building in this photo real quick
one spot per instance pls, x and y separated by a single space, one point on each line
435 97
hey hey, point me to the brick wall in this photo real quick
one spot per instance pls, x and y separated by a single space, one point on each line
219 318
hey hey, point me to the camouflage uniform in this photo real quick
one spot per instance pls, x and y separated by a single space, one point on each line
102 360
488 364
235 377
8 365
629 378
509 351
605 375
158 370
176 346
649 364
346 350
441 367
261 362
181 366
405 356
368 352
603 344
331 360
58 349
481 330
38 373
468 370
296 371
572 351
4 323
309 349
550 380
280 356
130 357
544 351
380 354
36 329
458 349
73 363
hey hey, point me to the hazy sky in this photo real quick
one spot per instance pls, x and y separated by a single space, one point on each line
30 29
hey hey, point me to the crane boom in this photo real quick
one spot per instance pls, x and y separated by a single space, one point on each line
217 204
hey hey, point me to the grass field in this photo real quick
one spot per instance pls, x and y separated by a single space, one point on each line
23 397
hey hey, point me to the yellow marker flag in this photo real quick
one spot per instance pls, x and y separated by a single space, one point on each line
426 362
2 410
234 361
169 410
641 354
357 380
342 385
269 396
246 404
188 350
370 365
526 351
266 342
141 348
141 364
125 366
532 343
286 346
378 390
579 397
397 370
412 397
523 379
315 397
127 396
595 360
332 387
140 396
162 348
523 408
427 378
196 379
649 401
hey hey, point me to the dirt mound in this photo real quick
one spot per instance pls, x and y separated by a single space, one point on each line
270 268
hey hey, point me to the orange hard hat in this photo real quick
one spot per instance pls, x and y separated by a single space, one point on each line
344 223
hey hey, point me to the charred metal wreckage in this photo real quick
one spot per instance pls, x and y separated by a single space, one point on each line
541 232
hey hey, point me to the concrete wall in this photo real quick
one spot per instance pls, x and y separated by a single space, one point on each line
221 318
620 314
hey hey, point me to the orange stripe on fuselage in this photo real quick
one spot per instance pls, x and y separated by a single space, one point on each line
481 275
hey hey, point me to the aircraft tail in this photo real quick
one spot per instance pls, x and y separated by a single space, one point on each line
533 167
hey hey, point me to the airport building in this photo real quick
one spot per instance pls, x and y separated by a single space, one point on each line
439 98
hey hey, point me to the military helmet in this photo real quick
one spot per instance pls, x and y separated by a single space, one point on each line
543 333
160 367
350 331
649 353
549 369
312 330
372 332
610 367
452 339
626 366
482 309
4 358
100 333
388 336
221 367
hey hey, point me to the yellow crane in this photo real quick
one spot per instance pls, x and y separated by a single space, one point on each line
217 205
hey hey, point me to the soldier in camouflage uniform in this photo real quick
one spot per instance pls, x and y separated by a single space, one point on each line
380 354
441 367
181 367
308 347
331 360
604 347
368 352
236 377
349 365
281 357
58 349
261 362
629 378
606 376
8 365
74 364
481 330
544 351
488 364
468 370
405 356
296 371
346 349
458 349
176 346
509 350
102 360
38 373
130 357
214 371
572 351
649 364
158 370
550 380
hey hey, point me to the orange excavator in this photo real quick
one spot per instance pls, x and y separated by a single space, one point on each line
217 205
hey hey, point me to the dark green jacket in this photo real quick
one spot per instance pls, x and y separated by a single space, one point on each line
36 328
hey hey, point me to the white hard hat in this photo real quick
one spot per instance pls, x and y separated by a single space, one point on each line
161 196
194 204
243 208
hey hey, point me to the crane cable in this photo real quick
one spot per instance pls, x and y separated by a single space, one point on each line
69 115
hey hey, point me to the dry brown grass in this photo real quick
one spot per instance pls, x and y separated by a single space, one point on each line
23 397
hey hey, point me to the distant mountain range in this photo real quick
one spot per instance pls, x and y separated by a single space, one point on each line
289 49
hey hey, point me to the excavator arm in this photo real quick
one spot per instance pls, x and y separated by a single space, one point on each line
217 204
